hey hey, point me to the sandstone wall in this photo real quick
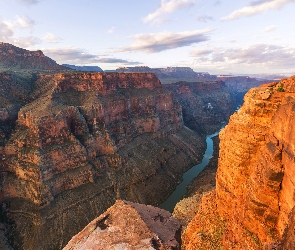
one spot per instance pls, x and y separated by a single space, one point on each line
255 178
83 141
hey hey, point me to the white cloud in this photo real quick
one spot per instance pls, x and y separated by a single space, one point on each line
8 29
257 55
269 28
23 22
5 32
79 56
257 8
205 18
201 52
156 42
30 2
49 37
167 7
111 30
26 42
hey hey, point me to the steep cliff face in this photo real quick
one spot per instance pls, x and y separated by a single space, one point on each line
255 178
205 104
128 226
84 140
13 95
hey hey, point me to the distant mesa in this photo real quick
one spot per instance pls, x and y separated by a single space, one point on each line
15 58
84 68
169 72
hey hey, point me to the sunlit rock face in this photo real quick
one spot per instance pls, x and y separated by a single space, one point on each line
81 141
255 178
128 225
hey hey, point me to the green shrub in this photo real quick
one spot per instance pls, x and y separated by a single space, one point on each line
281 88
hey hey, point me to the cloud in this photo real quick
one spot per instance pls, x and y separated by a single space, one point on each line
205 18
201 52
49 37
111 30
258 2
270 28
26 42
23 22
167 7
5 32
257 55
257 7
8 29
79 56
157 42
30 2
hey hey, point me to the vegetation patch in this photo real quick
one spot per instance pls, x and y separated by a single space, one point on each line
254 239
281 88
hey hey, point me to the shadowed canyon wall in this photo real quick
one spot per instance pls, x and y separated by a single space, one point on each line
15 58
205 104
84 140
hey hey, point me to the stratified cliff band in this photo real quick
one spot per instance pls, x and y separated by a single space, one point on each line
80 142
255 179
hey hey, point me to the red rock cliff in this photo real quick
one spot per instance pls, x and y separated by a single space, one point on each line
85 140
255 178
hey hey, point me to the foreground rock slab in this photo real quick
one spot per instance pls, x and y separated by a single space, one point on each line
128 225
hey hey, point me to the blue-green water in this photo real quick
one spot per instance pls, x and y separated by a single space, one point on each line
188 176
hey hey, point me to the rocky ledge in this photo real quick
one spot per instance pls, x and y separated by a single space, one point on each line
128 225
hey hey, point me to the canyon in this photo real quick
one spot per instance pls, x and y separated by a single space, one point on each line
75 144
253 204
84 140
72 143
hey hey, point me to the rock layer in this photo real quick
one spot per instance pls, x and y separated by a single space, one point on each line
12 57
205 104
84 140
128 225
255 179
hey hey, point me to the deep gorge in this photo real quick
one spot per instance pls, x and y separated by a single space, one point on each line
72 143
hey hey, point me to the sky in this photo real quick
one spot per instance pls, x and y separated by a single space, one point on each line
215 36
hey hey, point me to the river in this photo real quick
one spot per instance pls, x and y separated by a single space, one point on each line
188 176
